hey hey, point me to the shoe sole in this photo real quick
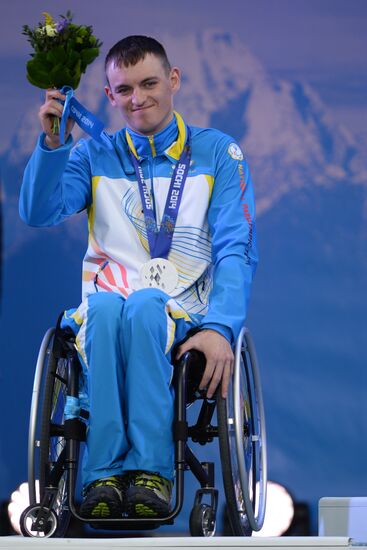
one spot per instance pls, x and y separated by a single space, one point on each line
100 510
140 505
102 507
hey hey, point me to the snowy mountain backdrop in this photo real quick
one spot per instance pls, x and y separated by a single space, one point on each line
309 303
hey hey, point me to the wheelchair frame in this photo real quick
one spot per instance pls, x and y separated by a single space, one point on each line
240 429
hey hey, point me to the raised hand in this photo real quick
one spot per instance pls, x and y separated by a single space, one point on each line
50 109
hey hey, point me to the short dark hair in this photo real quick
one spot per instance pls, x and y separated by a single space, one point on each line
132 49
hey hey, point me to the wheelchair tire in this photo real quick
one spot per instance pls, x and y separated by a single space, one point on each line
29 516
202 521
242 442
35 415
52 440
46 438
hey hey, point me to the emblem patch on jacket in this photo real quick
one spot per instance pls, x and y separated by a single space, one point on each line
235 152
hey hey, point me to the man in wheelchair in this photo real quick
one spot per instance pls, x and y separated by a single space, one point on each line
171 257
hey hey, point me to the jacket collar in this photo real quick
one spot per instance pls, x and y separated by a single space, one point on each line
175 149
170 141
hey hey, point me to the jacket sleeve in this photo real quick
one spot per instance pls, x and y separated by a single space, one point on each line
231 217
56 184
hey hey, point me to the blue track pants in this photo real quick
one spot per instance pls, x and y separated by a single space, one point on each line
125 347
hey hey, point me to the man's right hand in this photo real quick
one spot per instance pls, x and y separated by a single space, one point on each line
47 113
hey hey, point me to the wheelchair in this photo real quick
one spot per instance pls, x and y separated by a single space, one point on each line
54 444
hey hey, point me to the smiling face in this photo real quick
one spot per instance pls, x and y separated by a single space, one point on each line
143 93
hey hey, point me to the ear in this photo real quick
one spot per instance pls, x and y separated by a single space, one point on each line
109 94
175 79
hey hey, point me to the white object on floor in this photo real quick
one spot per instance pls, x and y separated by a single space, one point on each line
343 517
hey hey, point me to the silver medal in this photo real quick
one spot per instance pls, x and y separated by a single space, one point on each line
159 273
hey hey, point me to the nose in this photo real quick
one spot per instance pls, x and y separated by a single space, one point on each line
138 97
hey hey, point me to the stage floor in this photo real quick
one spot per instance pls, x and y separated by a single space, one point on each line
172 543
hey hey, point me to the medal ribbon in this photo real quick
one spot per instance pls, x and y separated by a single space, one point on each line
84 118
160 241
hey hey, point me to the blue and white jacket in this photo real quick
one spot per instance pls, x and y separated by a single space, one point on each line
214 243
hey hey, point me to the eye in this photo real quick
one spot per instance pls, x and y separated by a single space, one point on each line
150 83
122 90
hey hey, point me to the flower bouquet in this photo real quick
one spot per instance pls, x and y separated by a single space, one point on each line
62 52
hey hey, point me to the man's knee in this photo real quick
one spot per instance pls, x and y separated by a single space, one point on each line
105 307
146 305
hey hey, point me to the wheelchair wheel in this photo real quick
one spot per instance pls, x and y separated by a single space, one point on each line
30 515
46 438
202 521
242 442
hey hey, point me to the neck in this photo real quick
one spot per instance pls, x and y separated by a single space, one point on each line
167 120
156 143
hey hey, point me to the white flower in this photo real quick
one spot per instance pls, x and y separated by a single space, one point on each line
50 30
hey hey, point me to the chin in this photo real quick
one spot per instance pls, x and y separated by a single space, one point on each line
148 123
145 129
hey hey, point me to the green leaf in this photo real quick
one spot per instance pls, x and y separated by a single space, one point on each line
76 82
82 31
76 74
61 76
40 59
70 46
56 55
77 68
71 59
37 83
37 73
89 55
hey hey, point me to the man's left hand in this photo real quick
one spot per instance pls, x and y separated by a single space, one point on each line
219 359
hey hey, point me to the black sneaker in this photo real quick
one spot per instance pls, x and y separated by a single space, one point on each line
105 497
149 495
